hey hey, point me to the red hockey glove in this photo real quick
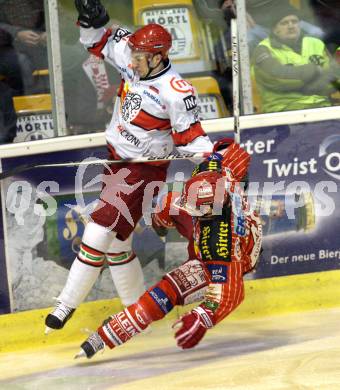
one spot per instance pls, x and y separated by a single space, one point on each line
233 157
193 327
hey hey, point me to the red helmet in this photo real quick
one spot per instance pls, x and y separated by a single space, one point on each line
152 38
204 193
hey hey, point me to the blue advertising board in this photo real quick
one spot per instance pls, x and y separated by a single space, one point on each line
299 159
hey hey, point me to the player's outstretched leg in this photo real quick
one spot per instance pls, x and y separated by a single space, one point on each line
185 284
153 305
82 276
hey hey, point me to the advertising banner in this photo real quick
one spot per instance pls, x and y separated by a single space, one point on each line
177 21
298 171
33 127
293 184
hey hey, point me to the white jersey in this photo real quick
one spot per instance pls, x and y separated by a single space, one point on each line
150 115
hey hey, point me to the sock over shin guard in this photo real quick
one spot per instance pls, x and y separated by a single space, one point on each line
153 305
86 267
127 277
80 280
123 326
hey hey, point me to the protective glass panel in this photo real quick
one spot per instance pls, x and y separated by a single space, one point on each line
294 48
25 102
90 84
301 75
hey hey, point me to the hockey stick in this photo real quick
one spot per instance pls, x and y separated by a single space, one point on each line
236 79
169 157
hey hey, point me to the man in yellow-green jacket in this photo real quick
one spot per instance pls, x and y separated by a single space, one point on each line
292 71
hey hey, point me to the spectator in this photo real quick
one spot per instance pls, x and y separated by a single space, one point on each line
257 30
24 24
10 70
8 116
259 22
292 70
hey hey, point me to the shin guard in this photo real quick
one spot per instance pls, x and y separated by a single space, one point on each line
153 305
122 326
127 277
86 267
80 280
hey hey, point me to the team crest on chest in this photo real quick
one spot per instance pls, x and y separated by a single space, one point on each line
131 106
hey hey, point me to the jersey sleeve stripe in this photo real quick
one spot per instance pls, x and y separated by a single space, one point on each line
149 122
185 137
97 48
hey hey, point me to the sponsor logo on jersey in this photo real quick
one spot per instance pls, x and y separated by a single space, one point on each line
256 231
112 335
204 243
218 272
119 34
180 85
239 219
205 190
126 324
213 306
127 71
140 318
222 245
190 102
213 296
129 137
240 226
154 98
161 299
181 280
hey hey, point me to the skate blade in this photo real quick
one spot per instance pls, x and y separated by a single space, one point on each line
81 354
49 330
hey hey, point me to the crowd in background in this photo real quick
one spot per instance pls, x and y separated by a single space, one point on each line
294 48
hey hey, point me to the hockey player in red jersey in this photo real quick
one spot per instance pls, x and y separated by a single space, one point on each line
226 237
155 111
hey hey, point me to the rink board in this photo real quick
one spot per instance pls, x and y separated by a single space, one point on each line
264 297
39 251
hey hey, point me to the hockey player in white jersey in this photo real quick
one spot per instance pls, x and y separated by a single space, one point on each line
155 110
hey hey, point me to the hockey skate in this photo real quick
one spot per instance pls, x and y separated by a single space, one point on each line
58 317
91 346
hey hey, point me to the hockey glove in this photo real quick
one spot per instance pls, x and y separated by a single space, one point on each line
91 13
193 327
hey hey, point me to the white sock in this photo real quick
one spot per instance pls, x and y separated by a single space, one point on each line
82 276
129 281
80 280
